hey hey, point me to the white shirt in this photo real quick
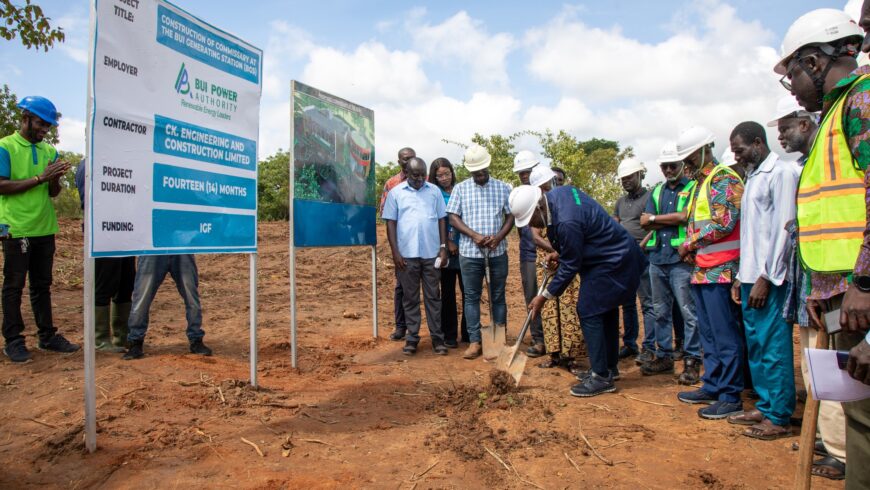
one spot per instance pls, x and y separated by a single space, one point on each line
767 207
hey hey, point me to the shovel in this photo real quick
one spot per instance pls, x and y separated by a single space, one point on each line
492 337
511 360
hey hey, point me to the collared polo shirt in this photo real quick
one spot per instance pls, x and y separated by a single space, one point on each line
416 213
29 213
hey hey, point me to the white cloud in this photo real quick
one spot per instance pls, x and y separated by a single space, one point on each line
465 40
71 135
76 27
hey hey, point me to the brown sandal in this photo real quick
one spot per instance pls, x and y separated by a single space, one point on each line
767 431
746 417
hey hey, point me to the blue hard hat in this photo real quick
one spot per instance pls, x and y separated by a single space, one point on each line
41 107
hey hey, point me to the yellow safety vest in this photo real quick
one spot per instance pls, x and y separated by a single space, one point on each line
831 213
726 249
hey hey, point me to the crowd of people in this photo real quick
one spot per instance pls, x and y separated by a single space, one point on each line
723 257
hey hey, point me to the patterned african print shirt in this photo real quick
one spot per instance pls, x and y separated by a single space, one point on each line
725 194
857 127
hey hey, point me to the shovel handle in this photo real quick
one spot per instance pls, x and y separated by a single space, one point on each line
544 281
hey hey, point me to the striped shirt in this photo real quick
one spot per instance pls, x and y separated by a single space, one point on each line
483 209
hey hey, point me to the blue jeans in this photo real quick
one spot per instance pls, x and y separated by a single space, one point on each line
671 283
771 354
472 278
601 333
721 341
150 274
630 320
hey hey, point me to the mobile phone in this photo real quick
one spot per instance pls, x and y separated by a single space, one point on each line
842 359
832 321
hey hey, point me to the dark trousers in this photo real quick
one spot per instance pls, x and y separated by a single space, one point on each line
449 311
398 305
32 259
113 280
529 276
417 272
679 324
601 333
721 341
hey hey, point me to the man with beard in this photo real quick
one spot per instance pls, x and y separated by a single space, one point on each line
761 286
670 277
404 155
30 176
819 68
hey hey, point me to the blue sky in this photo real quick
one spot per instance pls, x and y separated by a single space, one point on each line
627 70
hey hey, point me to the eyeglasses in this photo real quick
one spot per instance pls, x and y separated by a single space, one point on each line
670 166
785 83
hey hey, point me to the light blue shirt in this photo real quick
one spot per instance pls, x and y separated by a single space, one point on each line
416 213
483 209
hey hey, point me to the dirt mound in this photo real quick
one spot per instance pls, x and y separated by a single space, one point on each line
501 383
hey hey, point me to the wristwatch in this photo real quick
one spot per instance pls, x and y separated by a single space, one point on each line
652 218
862 283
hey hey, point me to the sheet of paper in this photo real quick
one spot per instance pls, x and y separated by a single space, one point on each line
829 382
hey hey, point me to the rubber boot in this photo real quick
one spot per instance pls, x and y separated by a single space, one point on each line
102 337
120 315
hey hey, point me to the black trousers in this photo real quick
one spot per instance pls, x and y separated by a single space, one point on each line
113 280
449 311
29 259
399 305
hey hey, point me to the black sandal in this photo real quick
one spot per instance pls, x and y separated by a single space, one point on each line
552 362
835 470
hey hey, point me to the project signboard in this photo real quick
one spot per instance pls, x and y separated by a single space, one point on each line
173 116
332 171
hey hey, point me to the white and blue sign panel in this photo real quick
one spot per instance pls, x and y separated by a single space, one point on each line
174 108
332 170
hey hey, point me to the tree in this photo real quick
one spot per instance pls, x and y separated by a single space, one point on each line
10 116
29 24
273 187
67 204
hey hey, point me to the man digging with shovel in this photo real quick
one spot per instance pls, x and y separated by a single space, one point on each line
587 242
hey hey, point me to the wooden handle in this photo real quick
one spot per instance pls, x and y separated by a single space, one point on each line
804 476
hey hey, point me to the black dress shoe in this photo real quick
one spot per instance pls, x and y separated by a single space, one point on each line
397 335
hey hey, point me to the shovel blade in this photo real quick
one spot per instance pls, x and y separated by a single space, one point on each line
493 341
516 367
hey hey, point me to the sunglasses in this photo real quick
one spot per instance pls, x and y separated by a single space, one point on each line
670 166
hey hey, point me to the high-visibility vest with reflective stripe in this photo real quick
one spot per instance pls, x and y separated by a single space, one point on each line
831 213
726 249
682 200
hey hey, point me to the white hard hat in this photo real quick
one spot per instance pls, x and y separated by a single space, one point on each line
477 158
691 139
628 167
819 26
788 106
523 201
525 160
541 174
668 154
728 158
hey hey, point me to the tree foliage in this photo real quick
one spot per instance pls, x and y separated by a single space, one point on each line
67 203
273 187
589 164
29 24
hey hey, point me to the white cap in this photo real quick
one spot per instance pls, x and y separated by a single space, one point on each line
728 158
541 174
692 139
668 154
523 201
477 158
629 166
525 160
787 105
821 26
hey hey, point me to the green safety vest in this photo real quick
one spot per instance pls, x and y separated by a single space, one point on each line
682 199
831 213
728 247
